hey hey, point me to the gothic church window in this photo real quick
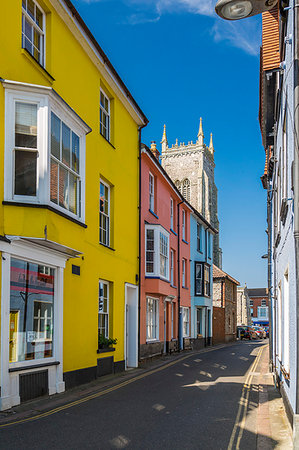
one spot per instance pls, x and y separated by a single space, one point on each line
186 189
178 185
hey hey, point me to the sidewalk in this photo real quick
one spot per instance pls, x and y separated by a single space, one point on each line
272 422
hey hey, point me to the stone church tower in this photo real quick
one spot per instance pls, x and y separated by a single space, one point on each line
191 167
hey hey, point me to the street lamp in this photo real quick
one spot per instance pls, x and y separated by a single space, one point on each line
240 9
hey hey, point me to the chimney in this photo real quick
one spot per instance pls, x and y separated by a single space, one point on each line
154 150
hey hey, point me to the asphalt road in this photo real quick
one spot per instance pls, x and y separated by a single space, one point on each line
192 404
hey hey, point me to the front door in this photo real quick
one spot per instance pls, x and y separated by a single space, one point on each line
131 331
13 333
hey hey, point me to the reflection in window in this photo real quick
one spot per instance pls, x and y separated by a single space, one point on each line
31 320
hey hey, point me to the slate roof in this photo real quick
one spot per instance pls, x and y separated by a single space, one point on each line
218 273
258 292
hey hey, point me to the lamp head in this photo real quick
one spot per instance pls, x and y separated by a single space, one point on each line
240 9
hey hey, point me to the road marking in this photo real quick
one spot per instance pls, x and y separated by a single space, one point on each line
104 392
239 426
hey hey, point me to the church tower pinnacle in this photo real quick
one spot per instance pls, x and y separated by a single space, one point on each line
211 146
200 134
164 141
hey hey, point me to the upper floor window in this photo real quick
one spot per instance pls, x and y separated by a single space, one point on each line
65 174
184 224
178 185
104 214
33 30
202 279
251 302
151 192
184 272
264 303
44 152
209 244
198 237
171 214
156 251
172 267
104 116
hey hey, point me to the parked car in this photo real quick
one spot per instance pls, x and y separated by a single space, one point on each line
245 332
267 331
261 333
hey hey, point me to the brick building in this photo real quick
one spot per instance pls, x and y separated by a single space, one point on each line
224 306
259 306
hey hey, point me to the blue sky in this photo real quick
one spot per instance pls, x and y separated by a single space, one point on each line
181 62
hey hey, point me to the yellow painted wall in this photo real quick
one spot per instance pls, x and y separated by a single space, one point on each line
78 81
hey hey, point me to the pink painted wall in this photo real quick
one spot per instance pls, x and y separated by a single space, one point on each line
159 288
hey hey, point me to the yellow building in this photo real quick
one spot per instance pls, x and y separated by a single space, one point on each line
69 146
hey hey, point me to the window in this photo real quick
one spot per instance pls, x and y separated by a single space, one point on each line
251 302
151 192
183 272
104 116
286 322
157 251
163 254
198 320
150 251
251 312
44 152
264 303
185 314
184 224
152 318
172 267
31 318
263 312
33 28
198 236
65 178
171 214
209 244
103 309
202 279
104 214
186 189
178 185
25 149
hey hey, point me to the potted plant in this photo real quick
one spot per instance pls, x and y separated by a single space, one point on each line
104 342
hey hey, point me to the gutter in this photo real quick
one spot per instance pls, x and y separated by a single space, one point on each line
179 278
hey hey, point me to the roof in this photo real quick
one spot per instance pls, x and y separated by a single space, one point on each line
105 58
219 273
258 292
193 210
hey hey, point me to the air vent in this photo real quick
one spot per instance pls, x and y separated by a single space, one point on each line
33 385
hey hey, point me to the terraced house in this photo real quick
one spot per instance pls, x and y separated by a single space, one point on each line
69 146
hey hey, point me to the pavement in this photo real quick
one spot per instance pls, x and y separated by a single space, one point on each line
221 397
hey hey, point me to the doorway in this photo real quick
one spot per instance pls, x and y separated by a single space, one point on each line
131 326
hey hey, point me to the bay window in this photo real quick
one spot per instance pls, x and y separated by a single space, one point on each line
44 151
156 251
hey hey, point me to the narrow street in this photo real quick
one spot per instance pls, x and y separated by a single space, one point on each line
208 400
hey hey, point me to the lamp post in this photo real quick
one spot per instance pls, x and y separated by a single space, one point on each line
240 9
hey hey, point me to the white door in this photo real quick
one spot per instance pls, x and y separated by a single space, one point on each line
131 329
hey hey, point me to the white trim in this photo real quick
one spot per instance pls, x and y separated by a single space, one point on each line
9 381
157 317
157 230
43 32
109 215
108 113
106 283
151 191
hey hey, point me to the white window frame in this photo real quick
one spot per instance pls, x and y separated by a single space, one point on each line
41 32
184 272
156 319
106 314
151 192
108 217
47 102
171 214
184 225
186 311
172 267
262 312
286 321
158 229
107 136
198 237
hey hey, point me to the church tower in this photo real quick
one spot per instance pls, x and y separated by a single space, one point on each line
191 167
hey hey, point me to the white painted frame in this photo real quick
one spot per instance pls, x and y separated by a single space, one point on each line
109 209
107 113
157 313
133 330
9 380
106 283
46 102
151 188
157 230
42 32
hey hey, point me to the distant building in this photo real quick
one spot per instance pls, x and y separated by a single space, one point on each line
259 306
191 167
224 306
243 306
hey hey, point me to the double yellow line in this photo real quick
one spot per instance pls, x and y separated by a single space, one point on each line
93 396
239 425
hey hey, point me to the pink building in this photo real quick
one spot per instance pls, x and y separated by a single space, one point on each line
165 261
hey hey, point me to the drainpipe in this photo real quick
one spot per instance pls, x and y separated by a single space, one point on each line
179 278
296 186
140 234
269 231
